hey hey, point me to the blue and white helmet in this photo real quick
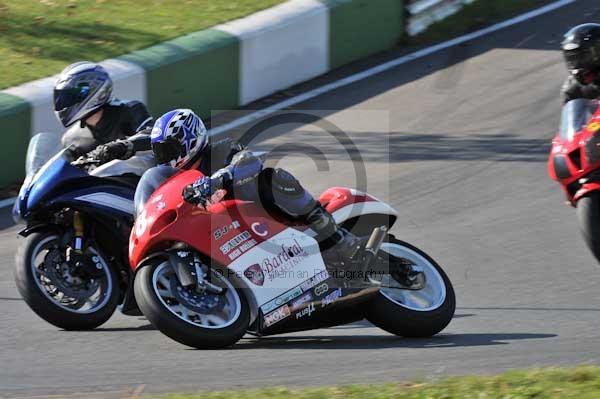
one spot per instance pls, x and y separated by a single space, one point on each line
177 137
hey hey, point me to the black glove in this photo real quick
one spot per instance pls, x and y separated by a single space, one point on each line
120 149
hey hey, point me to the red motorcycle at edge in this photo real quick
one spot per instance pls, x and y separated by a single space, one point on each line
575 163
205 276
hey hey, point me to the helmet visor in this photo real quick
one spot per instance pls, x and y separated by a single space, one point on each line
69 96
579 59
166 151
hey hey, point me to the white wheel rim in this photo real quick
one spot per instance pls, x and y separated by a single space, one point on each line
427 299
161 283
96 301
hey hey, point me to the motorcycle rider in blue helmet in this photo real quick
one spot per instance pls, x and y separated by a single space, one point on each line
84 103
179 139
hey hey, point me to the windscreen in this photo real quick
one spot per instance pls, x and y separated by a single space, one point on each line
150 181
42 147
575 115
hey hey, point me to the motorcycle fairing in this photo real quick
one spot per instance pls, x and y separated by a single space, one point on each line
348 203
275 266
136 165
575 154
106 198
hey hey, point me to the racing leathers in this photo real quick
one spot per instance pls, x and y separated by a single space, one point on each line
576 87
121 131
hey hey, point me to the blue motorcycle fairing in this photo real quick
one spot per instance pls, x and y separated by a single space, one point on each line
108 199
60 182
56 171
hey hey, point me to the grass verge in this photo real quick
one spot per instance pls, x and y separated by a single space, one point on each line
40 37
581 383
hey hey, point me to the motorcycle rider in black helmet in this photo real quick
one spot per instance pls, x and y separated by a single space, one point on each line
581 49
97 122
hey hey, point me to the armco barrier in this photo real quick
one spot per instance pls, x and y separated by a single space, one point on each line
224 67
422 13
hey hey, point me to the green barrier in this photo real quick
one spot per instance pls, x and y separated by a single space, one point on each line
15 116
360 28
198 71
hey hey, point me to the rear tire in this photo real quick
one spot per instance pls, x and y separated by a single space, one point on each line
174 326
588 215
401 320
48 309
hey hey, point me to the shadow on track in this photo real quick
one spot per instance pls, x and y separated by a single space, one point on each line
407 147
385 342
533 309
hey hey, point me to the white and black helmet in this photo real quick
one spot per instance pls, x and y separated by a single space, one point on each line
82 89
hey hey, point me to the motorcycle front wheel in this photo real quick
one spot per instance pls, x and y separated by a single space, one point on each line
415 314
57 291
203 321
588 215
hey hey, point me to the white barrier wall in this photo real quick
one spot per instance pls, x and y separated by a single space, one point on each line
281 46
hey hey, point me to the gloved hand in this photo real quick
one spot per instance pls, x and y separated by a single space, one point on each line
120 149
199 192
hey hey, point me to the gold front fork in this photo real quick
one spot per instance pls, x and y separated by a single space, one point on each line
78 227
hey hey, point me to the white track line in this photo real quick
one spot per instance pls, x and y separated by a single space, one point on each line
7 202
372 71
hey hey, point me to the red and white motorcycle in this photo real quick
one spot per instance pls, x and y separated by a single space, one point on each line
206 276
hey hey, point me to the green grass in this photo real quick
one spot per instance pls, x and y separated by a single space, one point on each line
40 37
579 383
473 17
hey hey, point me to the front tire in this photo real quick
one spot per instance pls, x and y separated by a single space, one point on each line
414 314
46 299
199 321
588 215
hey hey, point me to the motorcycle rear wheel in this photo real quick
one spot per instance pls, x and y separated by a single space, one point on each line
415 314
180 315
48 301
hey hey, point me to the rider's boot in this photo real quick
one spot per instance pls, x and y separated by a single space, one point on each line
339 246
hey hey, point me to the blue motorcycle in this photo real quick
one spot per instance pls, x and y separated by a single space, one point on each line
72 266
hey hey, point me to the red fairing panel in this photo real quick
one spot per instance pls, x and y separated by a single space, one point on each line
345 203
574 158
223 232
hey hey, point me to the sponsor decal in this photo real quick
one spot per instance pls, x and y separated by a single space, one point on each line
321 289
260 229
281 300
284 261
331 297
314 280
219 233
234 242
302 300
307 311
593 127
242 248
157 198
277 315
255 274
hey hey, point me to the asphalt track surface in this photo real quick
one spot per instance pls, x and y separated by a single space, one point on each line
458 143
